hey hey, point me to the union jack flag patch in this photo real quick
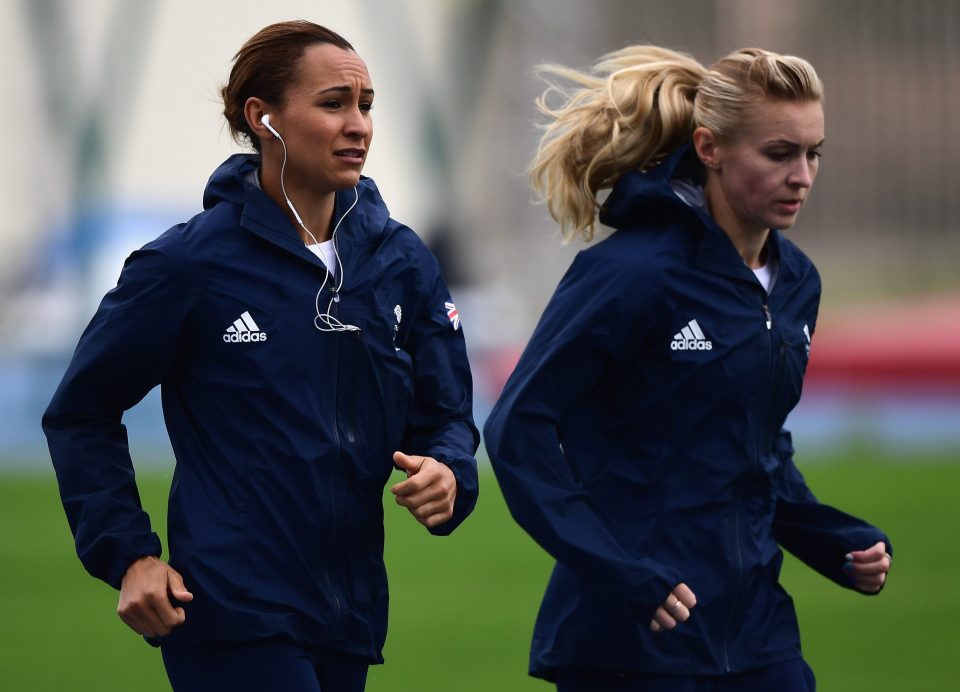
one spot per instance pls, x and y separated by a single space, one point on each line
453 315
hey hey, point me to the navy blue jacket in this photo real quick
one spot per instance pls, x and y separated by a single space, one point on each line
283 434
640 442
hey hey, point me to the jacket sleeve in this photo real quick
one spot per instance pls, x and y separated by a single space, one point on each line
440 423
129 346
817 534
584 333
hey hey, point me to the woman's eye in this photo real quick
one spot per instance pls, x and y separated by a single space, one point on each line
331 104
778 155
815 154
366 107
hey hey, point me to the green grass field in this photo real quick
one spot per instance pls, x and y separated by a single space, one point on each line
462 607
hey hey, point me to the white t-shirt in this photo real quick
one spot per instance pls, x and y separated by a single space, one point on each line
326 254
765 276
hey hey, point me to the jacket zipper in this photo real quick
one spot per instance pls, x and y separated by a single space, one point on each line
336 460
762 436
768 322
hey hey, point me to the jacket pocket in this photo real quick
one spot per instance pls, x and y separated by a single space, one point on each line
793 367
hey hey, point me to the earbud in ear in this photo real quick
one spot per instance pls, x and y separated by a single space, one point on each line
265 121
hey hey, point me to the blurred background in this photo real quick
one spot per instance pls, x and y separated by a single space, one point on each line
114 124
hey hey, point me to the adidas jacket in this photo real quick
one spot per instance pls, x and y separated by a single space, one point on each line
640 442
283 434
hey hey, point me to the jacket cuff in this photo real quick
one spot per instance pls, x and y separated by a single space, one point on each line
140 546
465 472
653 587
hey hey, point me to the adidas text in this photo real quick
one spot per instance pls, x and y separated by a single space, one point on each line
245 337
691 345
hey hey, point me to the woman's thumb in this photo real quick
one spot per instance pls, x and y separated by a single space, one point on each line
177 588
407 463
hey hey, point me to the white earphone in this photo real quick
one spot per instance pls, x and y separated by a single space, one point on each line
324 321
265 121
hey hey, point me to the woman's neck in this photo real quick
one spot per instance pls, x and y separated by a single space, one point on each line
316 211
750 243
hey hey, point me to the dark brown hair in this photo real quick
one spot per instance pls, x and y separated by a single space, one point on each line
265 66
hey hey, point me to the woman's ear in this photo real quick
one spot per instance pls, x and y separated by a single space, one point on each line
253 111
707 148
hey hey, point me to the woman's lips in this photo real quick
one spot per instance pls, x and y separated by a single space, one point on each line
790 206
354 156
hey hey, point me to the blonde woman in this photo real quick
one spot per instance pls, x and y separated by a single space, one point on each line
640 439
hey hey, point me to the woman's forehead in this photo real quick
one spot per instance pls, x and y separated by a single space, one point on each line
800 122
325 65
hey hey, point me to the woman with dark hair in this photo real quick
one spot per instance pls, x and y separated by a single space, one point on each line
306 345
640 438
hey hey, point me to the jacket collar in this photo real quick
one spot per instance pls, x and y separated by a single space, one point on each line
264 218
649 194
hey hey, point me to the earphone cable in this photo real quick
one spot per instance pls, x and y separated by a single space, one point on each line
325 322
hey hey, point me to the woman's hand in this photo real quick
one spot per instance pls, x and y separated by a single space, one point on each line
675 609
429 491
145 597
867 569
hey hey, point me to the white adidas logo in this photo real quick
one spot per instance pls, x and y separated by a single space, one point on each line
244 330
690 338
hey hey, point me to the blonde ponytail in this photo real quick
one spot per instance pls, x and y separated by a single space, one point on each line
628 113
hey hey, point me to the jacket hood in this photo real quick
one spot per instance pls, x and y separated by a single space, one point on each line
636 191
230 182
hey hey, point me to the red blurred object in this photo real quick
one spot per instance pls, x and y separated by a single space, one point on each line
912 344
899 345
493 368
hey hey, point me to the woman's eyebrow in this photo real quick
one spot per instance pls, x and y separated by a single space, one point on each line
346 89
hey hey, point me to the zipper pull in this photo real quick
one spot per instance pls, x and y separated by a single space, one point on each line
769 319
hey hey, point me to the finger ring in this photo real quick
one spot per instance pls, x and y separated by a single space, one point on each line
676 606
